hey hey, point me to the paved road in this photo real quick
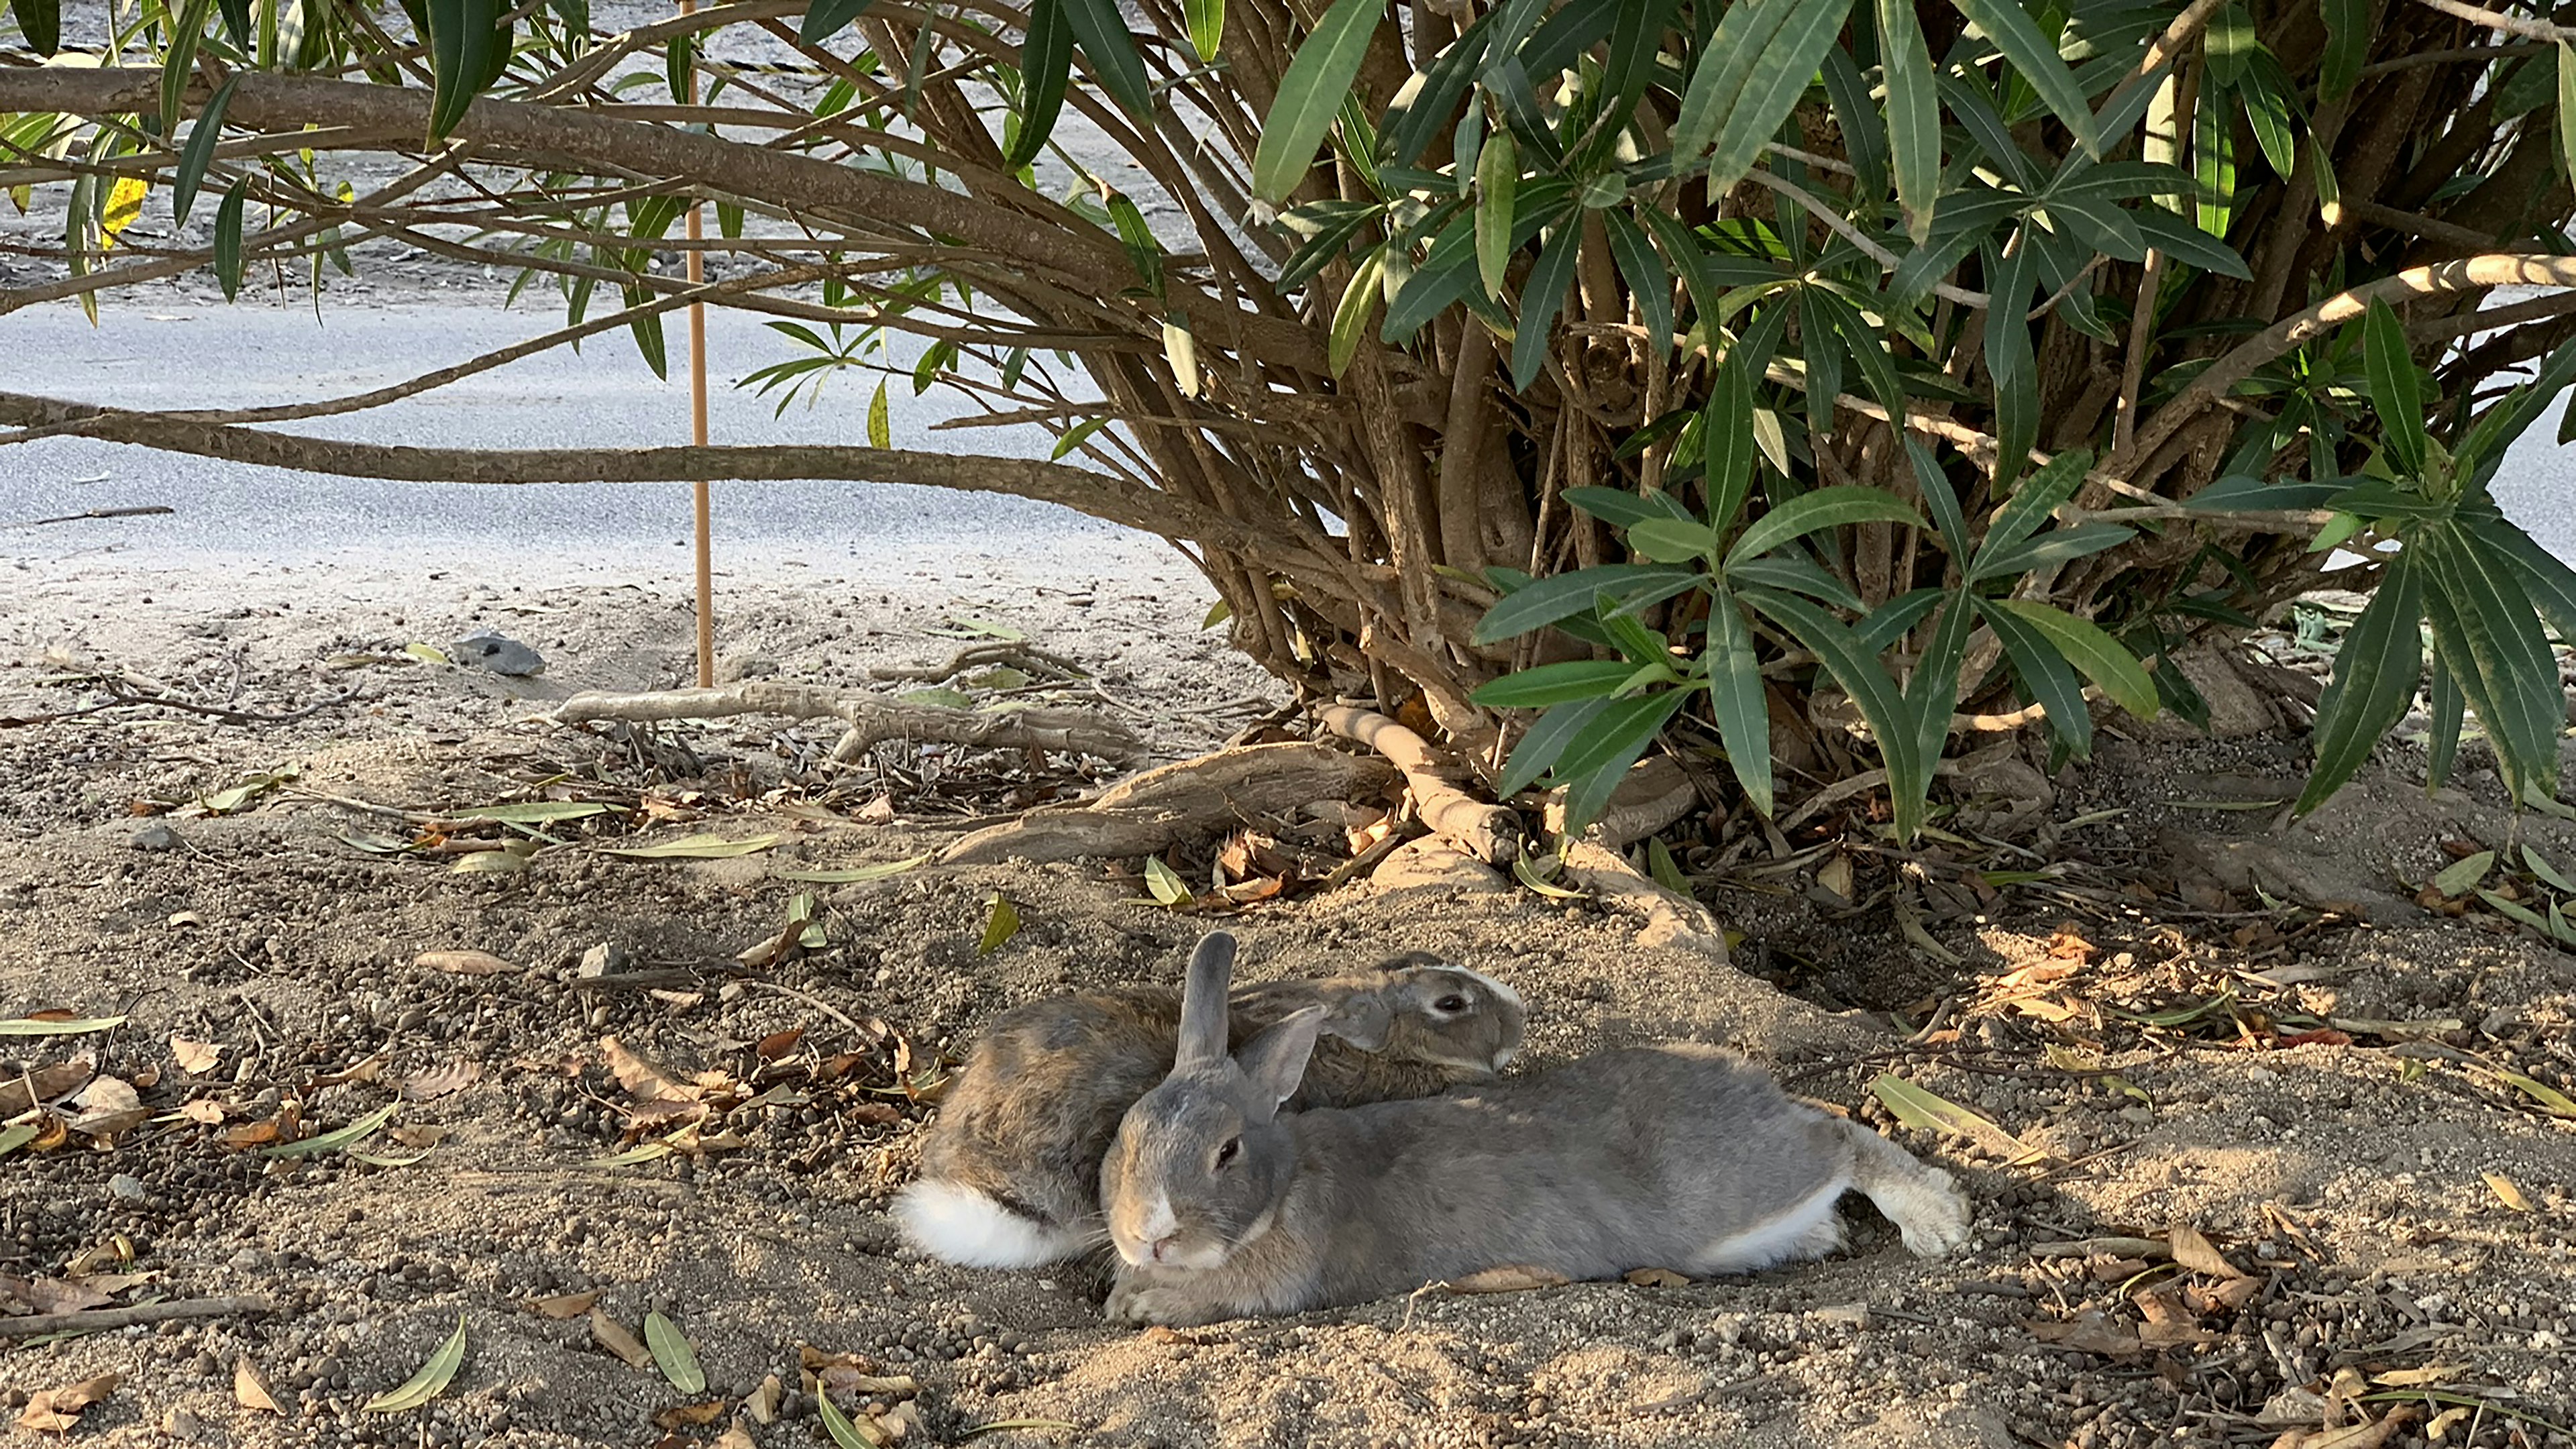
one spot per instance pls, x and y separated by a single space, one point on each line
182 354
196 355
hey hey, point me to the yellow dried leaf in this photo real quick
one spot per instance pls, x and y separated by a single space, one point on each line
250 1390
196 1058
2506 1193
1509 1278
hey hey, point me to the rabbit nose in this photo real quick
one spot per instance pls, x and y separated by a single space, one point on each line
1164 1247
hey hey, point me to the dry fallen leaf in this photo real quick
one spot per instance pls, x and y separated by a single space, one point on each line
196 1058
618 1341
2355 1436
462 963
1510 1278
251 1134
204 1111
2091 1333
566 1305
2431 1373
2506 1193
59 1080
250 1390
420 1136
1657 1278
2194 1252
56 1295
365 1071
58 1410
2213 1300
440 1081
108 1106
689 1416
764 1400
779 1044
736 1437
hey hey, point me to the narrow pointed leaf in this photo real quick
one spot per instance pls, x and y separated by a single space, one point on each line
1599 757
41 22
2395 391
1726 441
2347 46
1546 743
461 58
430 1382
1541 298
1111 48
1825 508
1498 174
1046 67
1351 314
1642 267
199 153
827 18
2375 673
2035 56
2111 667
1913 115
673 1356
1310 94
1206 19
2045 676
1782 73
1737 699
228 239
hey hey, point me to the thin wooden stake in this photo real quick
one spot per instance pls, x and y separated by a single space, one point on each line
699 491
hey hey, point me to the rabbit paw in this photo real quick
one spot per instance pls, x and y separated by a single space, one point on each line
1934 1215
1142 1303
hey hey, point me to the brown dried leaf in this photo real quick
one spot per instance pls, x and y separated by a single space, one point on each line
2356 1436
251 1134
58 1080
58 1410
250 1390
204 1111
57 1295
875 1114
847 1379
1509 1278
618 1341
643 1080
420 1136
736 1437
2431 1373
196 1058
366 1071
764 1400
2091 1333
2069 945
440 1081
2118 1270
566 1305
108 1106
2194 1252
2211 1300
690 1416
1657 1278
779 1043
462 963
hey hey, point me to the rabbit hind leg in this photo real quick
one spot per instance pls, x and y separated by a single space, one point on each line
1925 1203
1809 1229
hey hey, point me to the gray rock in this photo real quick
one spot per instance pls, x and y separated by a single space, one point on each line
500 654
155 836
126 1186
739 665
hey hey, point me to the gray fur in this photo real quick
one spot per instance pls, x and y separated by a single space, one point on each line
1039 1100
1678 1156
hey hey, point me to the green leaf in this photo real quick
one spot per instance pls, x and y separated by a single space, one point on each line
1939 497
2213 159
2045 676
2450 708
1498 174
1643 269
854 874
1206 20
696 847
2395 390
1666 870
1046 68
1000 925
1737 699
881 422
430 1382
2489 637
2009 356
200 153
2567 106
1927 1111
1551 684
2552 1101
1528 875
2039 495
2459 876
1541 298
1351 314
2110 666
13 1138
1165 884
1627 510
461 58
228 239
2347 46
1111 49
2374 681
673 1356
41 22
179 62
1547 741
2228 44
2549 874
2267 109
1545 601
358 1131
1598 759
536 812
845 1432
2188 243
1824 508
508 860
1746 119
1310 94
2035 56
1857 670
827 18
1726 437
1672 540
68 1026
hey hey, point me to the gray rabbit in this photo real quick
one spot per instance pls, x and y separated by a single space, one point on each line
1223 1206
1010 1172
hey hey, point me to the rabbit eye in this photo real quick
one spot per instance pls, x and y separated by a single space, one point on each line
1226 1153
1451 1004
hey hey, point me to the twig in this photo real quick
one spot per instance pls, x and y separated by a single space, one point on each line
91 1320
1491 833
810 999
2493 20
1841 226
228 716
869 720
141 511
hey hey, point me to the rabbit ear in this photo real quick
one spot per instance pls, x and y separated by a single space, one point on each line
1275 1061
1363 1020
1203 1004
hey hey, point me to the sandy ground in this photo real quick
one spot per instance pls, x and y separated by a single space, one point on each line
2345 1175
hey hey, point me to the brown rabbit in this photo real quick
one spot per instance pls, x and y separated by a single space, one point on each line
1010 1175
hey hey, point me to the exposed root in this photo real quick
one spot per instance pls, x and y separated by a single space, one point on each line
1656 793
1026 657
1176 803
1491 833
1671 920
870 720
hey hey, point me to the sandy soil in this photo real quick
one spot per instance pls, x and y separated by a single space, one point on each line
2344 1174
